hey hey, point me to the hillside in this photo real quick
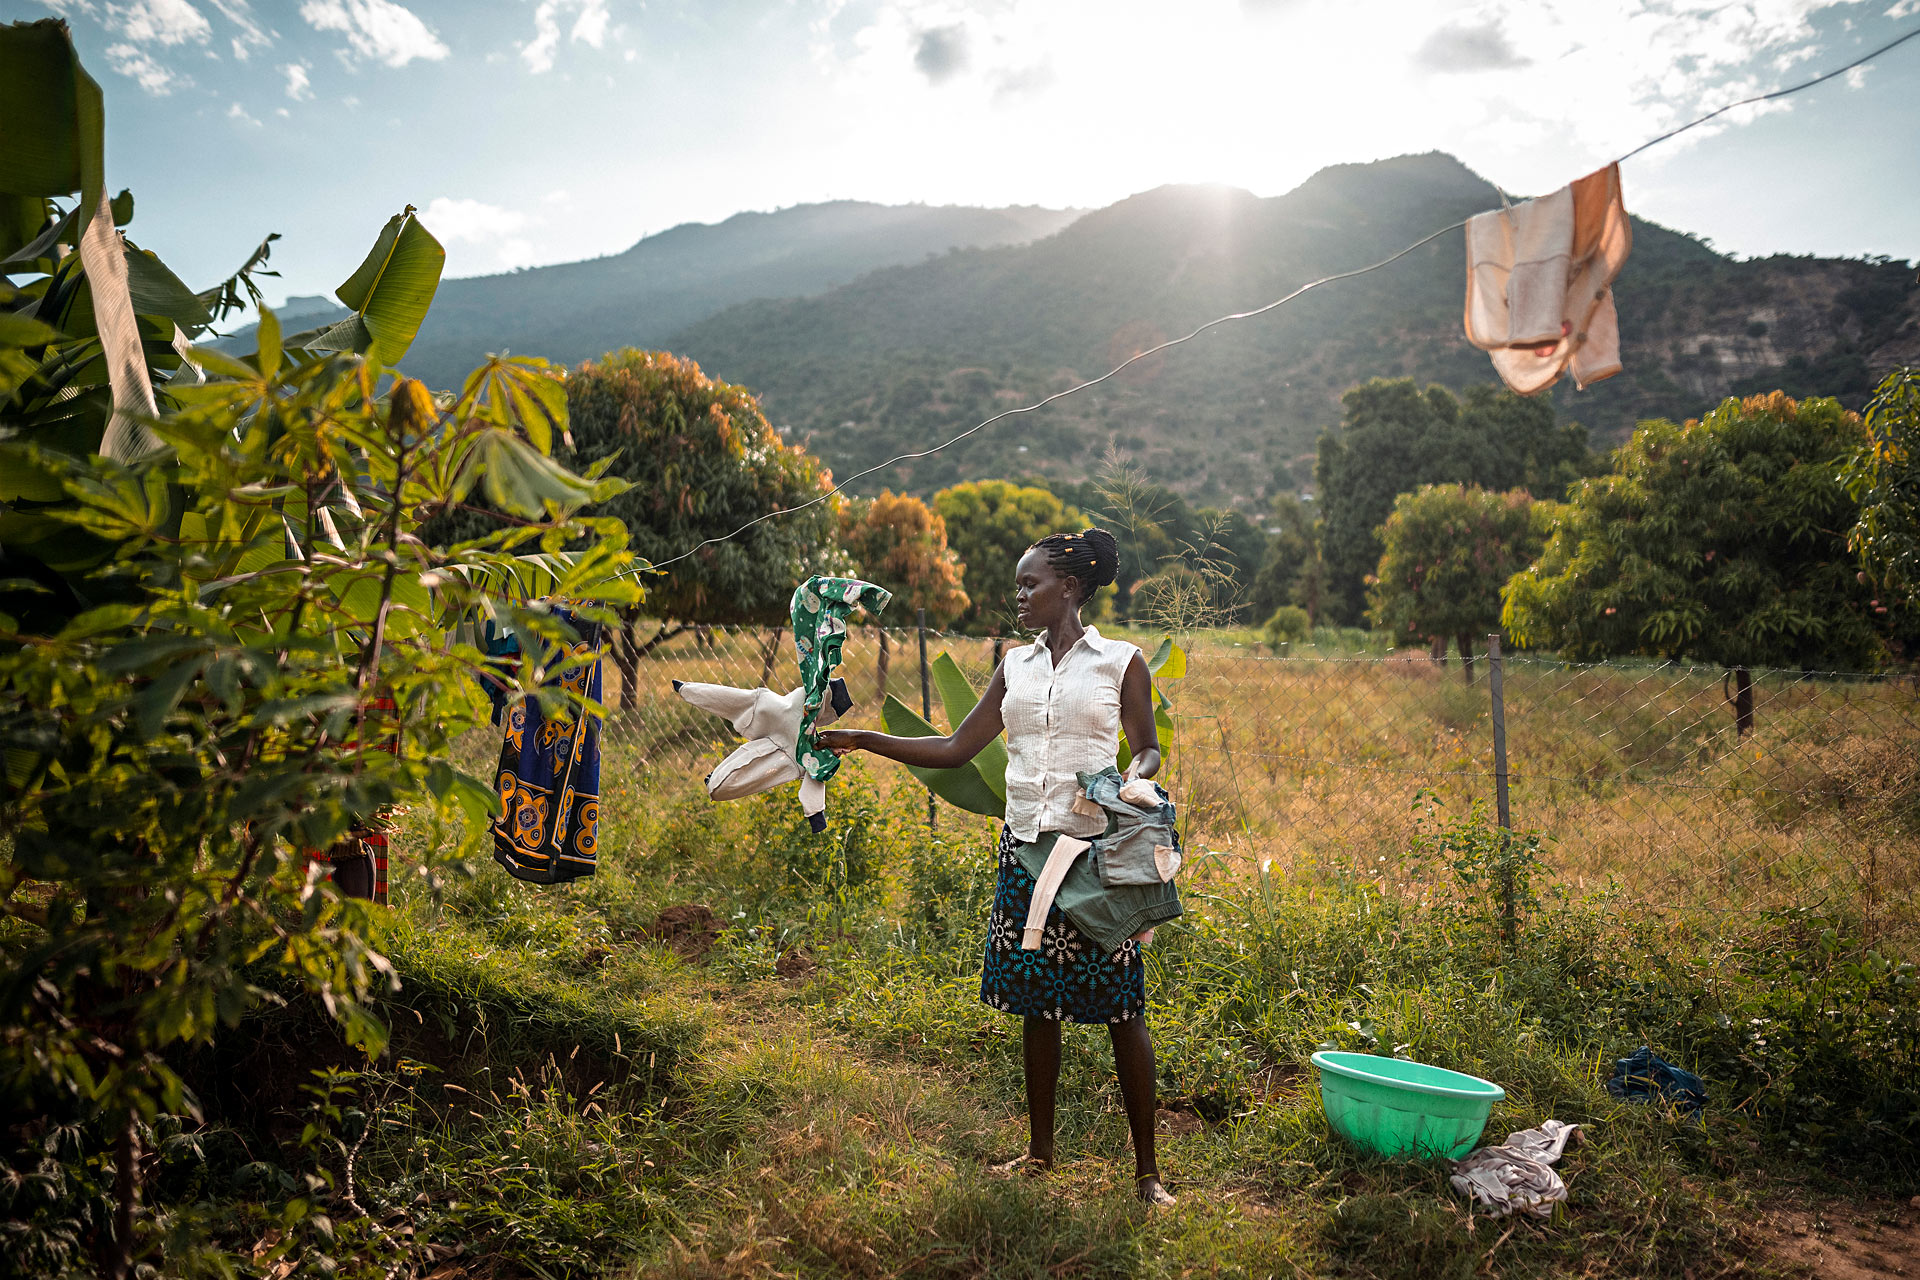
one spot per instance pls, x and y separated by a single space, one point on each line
909 354
577 310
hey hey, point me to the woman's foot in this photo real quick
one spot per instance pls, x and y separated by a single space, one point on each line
1029 1164
1152 1193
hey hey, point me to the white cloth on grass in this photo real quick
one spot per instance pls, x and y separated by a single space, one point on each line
1516 1175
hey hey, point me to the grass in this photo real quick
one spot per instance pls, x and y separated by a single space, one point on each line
566 1096
1312 761
569 1095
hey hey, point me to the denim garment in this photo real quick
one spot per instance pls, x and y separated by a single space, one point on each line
1124 853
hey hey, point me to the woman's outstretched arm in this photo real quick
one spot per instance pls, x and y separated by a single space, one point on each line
982 725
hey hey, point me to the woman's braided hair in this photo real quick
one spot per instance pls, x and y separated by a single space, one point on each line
1092 556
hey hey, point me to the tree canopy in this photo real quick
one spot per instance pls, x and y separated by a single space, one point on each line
1450 549
901 543
1885 477
1721 540
701 461
990 525
1395 437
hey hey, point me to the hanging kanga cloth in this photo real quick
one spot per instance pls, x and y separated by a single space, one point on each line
770 722
548 831
503 654
820 607
1540 284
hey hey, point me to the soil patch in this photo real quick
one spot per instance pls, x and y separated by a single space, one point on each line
689 930
795 964
1842 1241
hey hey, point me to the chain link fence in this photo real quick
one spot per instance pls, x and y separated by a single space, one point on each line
1689 791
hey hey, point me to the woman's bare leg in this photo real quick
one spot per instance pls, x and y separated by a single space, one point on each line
1040 1056
1133 1060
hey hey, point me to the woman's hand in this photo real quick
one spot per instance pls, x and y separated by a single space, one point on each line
841 741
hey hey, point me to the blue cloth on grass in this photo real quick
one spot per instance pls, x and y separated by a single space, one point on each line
1644 1075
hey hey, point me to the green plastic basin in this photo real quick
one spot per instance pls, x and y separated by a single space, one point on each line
1396 1108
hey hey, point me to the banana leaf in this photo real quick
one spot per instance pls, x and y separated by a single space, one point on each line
964 787
958 697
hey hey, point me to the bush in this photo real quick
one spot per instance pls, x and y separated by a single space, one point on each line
1289 624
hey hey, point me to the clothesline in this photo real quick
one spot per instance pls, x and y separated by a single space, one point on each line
1037 405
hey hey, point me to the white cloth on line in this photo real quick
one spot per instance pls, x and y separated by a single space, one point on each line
1517 1174
1539 284
771 724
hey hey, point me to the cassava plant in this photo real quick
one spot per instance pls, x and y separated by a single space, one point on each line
171 755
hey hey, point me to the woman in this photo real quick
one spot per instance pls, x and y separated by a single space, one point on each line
1063 701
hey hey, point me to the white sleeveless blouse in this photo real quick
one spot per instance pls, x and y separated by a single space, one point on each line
1060 721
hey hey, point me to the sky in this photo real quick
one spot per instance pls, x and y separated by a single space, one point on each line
536 131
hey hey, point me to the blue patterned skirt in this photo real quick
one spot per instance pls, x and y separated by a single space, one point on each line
1066 980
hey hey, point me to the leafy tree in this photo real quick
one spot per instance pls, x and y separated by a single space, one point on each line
1449 550
700 460
901 543
1285 564
171 755
990 524
1395 437
1885 478
1721 540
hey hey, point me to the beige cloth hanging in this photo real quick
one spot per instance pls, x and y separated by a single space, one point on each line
1540 284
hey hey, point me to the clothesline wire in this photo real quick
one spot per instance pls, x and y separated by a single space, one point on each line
1040 404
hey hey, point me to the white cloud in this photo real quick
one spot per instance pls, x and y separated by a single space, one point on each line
590 28
298 85
165 22
377 29
139 65
240 113
470 221
495 233
252 36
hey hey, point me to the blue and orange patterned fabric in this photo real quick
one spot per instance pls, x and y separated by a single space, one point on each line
534 838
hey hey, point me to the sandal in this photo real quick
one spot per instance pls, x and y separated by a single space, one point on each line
1153 1193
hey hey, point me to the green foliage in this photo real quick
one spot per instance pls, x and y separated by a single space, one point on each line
701 460
990 525
1449 549
900 543
1884 477
1289 624
1721 540
388 294
1395 437
1288 571
172 755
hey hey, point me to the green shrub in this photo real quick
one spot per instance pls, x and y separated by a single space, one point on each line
1289 624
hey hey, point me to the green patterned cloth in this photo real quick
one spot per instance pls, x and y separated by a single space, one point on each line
820 608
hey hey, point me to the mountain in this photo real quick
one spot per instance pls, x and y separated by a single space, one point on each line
578 310
908 355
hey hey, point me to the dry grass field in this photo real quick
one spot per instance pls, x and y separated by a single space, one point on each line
1328 763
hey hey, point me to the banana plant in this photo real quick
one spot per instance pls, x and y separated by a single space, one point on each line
980 785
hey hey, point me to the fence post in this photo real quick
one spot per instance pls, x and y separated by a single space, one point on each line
1496 672
926 707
